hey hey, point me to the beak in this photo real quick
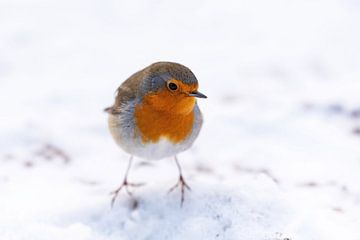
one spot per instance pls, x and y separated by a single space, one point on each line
197 94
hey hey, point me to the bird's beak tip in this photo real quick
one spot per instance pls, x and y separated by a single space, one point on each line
197 94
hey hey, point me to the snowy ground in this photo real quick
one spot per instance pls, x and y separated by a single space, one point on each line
279 154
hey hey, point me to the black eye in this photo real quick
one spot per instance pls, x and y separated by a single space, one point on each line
172 86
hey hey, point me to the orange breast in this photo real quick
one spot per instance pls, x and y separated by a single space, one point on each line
165 115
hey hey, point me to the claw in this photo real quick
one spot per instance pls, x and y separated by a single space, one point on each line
183 185
125 185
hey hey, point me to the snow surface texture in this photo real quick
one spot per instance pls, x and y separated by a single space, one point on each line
278 156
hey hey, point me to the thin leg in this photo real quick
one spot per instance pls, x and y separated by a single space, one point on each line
180 183
125 184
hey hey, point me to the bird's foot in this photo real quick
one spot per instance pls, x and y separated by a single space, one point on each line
125 185
183 185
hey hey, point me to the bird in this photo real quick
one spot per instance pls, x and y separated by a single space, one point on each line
155 115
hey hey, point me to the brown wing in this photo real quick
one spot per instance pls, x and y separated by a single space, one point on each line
127 91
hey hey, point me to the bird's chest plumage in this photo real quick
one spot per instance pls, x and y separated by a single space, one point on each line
154 125
159 125
142 132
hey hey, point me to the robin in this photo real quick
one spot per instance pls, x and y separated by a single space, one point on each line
155 115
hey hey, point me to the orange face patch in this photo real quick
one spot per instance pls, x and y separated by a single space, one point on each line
167 113
173 101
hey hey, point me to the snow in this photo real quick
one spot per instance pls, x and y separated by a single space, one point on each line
278 157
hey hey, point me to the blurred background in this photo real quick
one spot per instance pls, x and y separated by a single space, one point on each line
282 120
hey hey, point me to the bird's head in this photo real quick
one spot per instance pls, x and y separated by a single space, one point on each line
170 87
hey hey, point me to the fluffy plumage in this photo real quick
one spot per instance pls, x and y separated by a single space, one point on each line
151 121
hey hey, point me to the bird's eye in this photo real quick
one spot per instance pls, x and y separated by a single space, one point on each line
172 86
